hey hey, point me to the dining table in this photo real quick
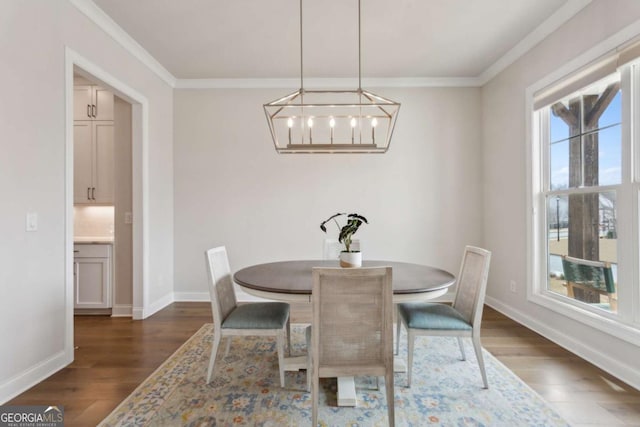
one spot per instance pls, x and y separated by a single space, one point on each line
292 281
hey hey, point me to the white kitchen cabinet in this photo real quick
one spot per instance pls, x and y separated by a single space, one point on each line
91 102
93 162
92 276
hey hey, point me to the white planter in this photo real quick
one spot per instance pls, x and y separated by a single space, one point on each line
350 259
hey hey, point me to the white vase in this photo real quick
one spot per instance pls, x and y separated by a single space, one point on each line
350 259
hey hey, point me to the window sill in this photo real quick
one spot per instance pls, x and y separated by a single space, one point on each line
603 322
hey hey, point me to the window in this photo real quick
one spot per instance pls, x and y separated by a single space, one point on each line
582 136
584 194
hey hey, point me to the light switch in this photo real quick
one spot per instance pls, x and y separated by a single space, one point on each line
128 218
32 221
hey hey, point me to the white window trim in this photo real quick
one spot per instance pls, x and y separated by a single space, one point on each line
625 327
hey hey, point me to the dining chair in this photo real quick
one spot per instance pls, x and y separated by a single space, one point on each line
231 319
352 332
462 319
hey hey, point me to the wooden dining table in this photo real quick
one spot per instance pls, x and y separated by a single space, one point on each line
292 281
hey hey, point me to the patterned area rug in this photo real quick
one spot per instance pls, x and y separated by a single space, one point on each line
246 391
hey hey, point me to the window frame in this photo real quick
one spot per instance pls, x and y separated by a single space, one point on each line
625 324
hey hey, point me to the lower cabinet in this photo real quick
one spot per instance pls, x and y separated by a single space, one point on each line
92 276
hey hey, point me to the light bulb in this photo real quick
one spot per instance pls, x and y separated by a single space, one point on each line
354 122
290 122
310 122
374 122
332 123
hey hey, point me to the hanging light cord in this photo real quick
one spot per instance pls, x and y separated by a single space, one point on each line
359 51
301 79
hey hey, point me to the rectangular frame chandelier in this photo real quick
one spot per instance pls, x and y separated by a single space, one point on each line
332 121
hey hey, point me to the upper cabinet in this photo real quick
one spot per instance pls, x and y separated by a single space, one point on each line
93 162
93 145
91 102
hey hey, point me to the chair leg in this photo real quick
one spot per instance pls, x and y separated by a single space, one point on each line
280 349
314 398
461 345
388 383
410 344
289 336
226 352
307 333
212 359
398 330
477 346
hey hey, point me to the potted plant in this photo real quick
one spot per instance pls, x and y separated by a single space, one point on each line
348 258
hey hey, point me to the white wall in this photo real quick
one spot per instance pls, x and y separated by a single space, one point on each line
423 198
503 107
123 254
33 36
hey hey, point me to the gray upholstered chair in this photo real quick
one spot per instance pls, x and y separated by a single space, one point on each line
352 333
460 320
231 319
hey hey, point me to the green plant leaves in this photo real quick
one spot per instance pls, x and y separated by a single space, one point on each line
354 222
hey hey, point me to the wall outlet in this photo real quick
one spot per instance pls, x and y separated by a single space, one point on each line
512 285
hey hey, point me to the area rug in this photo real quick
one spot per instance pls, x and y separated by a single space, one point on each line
246 391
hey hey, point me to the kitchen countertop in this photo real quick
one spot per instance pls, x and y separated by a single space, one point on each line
93 239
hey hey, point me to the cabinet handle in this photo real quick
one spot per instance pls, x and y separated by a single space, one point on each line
88 193
94 110
77 251
88 110
93 193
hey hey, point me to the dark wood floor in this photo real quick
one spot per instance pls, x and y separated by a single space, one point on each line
114 355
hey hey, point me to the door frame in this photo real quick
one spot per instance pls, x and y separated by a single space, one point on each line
140 182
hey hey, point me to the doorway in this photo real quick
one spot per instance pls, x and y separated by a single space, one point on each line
78 65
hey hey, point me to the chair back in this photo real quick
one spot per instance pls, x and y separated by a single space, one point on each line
472 284
221 292
352 320
592 274
331 248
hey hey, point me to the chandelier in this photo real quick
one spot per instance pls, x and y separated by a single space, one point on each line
332 121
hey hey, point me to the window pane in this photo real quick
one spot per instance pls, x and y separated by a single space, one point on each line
610 156
613 114
558 128
559 162
602 105
583 226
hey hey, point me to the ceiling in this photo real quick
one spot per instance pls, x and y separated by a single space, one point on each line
252 39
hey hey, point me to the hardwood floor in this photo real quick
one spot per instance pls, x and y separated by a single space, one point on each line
114 355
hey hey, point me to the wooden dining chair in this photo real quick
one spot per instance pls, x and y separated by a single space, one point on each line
231 319
460 320
352 332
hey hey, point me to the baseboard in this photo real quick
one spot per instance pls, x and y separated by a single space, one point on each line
137 313
122 310
626 373
191 296
158 305
32 376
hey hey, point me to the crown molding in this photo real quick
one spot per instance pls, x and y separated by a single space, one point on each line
324 83
109 26
551 24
